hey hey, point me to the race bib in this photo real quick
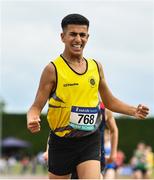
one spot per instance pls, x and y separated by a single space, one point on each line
83 118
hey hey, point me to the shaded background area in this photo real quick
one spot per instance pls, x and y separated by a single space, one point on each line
131 132
16 125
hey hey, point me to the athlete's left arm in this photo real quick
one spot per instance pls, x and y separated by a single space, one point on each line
111 123
114 104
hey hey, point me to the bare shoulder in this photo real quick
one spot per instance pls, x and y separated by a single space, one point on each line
49 72
48 77
99 64
49 68
100 68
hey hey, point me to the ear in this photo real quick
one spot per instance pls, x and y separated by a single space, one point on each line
87 36
62 36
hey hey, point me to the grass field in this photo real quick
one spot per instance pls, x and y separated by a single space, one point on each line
40 172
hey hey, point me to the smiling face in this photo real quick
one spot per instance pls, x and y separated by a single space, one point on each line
75 38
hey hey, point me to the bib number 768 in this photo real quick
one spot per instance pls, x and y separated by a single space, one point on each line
86 118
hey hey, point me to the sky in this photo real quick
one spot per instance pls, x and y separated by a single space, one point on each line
121 38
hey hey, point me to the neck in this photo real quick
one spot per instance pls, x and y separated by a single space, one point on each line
71 58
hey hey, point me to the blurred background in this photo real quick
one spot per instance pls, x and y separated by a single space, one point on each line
121 38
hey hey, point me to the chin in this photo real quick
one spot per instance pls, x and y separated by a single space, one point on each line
76 53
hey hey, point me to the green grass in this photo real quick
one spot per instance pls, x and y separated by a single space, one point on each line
16 171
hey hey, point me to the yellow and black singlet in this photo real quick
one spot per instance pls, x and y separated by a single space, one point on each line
74 106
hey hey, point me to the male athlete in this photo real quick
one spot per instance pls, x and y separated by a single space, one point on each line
71 84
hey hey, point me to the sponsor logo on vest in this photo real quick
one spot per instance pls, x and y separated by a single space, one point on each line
70 84
92 81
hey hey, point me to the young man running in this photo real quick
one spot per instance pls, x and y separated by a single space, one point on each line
71 84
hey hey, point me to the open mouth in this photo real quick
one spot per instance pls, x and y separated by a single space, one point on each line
77 46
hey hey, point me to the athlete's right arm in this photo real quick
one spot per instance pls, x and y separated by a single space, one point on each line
46 86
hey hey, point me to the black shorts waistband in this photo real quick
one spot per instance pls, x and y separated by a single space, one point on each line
54 137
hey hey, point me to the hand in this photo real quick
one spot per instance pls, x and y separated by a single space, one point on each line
110 159
34 125
141 111
45 155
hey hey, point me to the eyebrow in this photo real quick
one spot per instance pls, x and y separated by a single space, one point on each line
81 33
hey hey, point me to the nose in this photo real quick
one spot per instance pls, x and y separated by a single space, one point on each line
77 38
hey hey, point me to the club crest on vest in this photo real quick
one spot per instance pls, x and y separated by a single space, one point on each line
92 81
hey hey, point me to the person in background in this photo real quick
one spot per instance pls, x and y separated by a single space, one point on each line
138 162
120 158
150 161
109 142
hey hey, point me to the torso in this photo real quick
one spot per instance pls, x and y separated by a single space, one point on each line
79 81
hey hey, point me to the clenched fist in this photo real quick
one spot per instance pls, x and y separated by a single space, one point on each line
141 111
34 124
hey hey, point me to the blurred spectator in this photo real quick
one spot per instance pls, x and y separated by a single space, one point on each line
120 158
42 161
33 164
110 167
150 161
11 162
121 169
138 162
25 164
3 165
125 170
